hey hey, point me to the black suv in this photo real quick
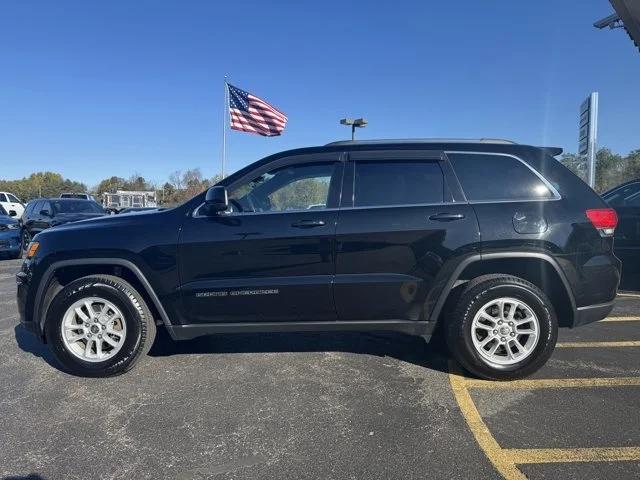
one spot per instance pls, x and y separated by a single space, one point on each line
43 213
625 199
497 244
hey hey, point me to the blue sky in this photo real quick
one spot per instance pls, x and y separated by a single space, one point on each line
93 89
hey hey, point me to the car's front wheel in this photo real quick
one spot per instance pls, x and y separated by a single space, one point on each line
502 328
99 326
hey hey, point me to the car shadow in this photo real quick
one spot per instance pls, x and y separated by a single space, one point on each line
30 476
402 347
27 342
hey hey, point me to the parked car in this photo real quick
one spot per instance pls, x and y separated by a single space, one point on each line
10 238
625 199
10 202
80 196
43 213
495 244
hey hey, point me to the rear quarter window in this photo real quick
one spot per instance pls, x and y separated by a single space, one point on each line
494 177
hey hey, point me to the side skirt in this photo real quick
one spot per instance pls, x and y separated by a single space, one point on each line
187 332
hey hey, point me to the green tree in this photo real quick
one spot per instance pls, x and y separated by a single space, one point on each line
41 184
110 185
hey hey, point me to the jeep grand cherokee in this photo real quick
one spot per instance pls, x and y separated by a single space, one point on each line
496 244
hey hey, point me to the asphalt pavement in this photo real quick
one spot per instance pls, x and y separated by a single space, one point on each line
321 406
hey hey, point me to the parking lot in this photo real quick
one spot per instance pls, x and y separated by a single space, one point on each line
321 406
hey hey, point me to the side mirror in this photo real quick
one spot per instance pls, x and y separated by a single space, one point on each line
216 199
13 213
45 213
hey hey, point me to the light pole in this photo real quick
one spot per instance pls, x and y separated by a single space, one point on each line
358 122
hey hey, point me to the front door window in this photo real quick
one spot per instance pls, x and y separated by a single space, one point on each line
289 188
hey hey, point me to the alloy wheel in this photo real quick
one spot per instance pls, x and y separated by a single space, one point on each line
93 329
505 331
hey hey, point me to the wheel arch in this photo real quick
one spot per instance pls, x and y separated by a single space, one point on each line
62 272
539 268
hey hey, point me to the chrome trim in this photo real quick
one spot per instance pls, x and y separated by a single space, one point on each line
552 189
404 205
246 214
497 141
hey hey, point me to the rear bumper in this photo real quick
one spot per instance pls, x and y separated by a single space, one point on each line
592 313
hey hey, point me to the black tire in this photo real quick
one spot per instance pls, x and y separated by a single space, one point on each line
26 238
15 256
140 326
478 293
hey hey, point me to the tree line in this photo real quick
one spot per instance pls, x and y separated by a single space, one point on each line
611 169
180 186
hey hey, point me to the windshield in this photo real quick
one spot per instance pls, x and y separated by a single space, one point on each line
74 195
76 206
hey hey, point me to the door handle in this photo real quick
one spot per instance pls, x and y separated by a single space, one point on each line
308 224
446 217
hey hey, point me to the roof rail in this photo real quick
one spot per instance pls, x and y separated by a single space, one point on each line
422 140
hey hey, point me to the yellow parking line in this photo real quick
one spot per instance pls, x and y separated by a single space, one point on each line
479 429
628 295
556 383
620 319
553 455
505 459
626 343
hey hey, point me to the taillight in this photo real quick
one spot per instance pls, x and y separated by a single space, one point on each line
604 219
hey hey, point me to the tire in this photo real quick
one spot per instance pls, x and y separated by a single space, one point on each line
515 355
16 255
26 238
131 326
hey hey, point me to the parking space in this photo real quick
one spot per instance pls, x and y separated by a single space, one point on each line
321 406
575 418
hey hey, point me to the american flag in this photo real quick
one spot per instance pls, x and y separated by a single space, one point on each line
252 114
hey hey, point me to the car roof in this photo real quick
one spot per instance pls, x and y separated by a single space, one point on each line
500 141
58 199
622 185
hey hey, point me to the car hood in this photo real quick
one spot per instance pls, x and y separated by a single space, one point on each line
92 221
7 220
61 218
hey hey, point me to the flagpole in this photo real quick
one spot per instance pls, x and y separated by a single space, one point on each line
224 125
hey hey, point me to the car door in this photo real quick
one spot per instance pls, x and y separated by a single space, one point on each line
271 256
31 217
4 201
42 221
626 201
15 205
402 218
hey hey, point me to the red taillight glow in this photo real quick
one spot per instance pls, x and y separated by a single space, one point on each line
604 219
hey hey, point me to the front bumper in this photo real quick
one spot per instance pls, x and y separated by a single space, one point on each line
10 241
24 298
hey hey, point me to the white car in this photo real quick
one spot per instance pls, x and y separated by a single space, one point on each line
10 202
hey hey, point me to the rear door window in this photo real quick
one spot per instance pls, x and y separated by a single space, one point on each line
12 198
397 182
626 196
494 177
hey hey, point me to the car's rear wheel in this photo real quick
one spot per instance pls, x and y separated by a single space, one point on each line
99 326
503 328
